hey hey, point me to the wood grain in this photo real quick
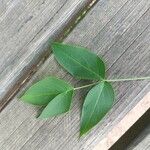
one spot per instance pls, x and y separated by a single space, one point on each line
142 142
121 127
120 32
25 28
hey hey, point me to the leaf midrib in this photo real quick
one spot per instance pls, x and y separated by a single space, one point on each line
83 66
66 92
42 94
94 106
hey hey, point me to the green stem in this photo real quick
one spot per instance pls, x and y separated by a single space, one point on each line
128 79
113 80
85 86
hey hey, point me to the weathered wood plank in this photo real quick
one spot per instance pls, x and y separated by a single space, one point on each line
25 27
125 124
128 37
142 142
129 137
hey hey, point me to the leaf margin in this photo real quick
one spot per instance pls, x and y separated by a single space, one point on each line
27 92
42 115
88 130
86 50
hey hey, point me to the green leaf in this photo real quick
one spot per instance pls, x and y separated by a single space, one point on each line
45 90
60 104
79 62
97 103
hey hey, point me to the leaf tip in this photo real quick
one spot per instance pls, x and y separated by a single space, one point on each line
24 99
41 117
53 44
21 98
82 133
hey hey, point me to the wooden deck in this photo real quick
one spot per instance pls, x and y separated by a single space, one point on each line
118 30
142 140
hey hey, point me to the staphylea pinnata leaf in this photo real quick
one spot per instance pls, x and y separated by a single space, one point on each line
79 61
42 92
97 103
60 104
56 95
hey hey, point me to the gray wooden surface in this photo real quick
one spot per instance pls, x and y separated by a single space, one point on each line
25 27
142 142
120 32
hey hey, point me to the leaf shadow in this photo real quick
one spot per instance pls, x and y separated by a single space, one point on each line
39 111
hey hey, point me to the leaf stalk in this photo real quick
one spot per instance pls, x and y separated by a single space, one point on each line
113 80
85 86
128 79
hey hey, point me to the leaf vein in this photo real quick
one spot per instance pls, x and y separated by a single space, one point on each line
90 70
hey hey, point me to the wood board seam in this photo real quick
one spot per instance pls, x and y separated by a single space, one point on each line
7 98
